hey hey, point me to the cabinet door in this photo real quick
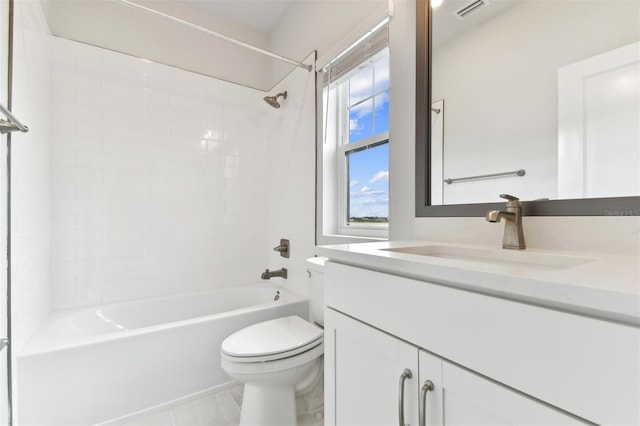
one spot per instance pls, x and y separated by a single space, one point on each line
363 370
470 399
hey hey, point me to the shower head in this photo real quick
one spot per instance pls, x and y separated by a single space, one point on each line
273 100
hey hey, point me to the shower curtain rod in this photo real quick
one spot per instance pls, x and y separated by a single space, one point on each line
212 33
12 123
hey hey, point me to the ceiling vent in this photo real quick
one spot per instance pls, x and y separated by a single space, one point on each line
471 8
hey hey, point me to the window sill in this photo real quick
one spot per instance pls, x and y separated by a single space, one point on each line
346 239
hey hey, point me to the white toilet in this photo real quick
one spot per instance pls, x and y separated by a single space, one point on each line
277 357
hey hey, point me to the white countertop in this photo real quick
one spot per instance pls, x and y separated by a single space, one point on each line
604 286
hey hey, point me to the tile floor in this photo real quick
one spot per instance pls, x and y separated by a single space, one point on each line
218 409
223 409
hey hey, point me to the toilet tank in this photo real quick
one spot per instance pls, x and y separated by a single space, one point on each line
315 274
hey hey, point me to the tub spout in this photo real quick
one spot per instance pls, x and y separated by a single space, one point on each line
267 274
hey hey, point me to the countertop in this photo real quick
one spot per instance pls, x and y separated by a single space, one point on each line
601 285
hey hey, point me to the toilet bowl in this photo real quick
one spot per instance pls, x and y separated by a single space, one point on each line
272 358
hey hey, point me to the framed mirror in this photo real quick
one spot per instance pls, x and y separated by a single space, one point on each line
538 99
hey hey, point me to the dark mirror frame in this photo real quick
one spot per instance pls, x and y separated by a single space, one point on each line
615 206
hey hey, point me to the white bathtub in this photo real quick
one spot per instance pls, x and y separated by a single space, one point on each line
92 365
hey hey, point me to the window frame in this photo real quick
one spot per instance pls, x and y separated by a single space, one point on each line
344 147
332 183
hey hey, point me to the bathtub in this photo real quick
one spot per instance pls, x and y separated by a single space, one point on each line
94 365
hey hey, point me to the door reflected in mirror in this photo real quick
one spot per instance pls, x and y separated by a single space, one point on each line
535 98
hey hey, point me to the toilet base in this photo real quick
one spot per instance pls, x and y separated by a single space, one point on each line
268 406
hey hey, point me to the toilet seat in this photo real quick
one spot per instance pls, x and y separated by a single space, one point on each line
272 340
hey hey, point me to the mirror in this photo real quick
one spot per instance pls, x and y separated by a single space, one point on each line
539 99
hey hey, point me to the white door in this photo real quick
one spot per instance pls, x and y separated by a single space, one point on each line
367 365
470 399
599 125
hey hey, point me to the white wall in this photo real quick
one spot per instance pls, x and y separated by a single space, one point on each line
402 107
4 355
159 179
30 180
499 84
291 207
328 27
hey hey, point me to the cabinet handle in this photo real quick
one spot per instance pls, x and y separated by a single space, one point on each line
426 387
406 374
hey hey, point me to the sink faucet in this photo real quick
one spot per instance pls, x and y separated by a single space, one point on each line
267 274
513 236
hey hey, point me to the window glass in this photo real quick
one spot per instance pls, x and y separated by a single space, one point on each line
381 116
381 72
368 192
369 99
361 85
361 121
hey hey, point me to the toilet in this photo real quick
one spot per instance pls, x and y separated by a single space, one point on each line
276 358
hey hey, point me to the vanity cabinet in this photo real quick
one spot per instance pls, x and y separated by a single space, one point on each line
376 377
491 361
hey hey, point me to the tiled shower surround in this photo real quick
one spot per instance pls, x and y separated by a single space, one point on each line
139 180
159 179
30 173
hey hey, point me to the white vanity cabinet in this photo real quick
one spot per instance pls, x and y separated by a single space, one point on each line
492 361
376 377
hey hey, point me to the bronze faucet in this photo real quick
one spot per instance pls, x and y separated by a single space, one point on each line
513 235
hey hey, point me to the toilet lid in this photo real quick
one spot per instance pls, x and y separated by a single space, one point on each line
281 335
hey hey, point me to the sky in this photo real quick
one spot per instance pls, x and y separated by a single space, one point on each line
369 182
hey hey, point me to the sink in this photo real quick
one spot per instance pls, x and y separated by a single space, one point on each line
496 256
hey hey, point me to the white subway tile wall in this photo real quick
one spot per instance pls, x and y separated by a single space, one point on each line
159 179
30 173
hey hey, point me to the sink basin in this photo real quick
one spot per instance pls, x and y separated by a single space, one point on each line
496 256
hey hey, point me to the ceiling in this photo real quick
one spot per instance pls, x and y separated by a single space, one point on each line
262 15
446 24
112 25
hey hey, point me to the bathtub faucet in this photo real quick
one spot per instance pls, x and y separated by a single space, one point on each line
267 274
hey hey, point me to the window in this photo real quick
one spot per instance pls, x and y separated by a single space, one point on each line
355 140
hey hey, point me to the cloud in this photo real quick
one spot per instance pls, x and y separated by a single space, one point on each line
355 125
367 192
353 182
381 175
382 100
369 205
